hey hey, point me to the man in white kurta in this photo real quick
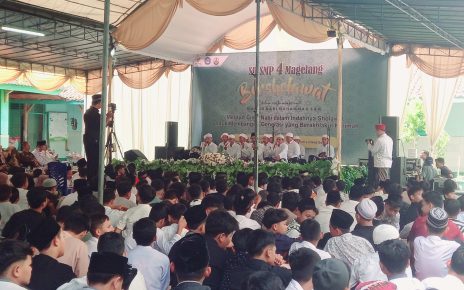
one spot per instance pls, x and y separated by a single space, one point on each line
280 149
267 147
382 151
207 146
222 147
302 148
293 147
245 148
325 149
234 149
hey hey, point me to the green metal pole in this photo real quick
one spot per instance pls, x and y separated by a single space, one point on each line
258 24
106 52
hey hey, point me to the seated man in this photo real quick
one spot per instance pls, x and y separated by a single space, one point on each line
311 234
302 263
99 225
208 146
15 265
275 221
343 245
47 272
42 154
432 253
26 158
331 274
444 171
454 279
109 271
394 259
190 262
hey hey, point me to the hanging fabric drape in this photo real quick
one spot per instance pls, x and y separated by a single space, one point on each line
295 24
438 95
146 24
400 86
437 62
243 37
46 82
219 7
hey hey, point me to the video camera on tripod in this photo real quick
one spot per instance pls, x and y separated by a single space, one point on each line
110 115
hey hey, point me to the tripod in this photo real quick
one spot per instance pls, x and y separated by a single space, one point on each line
111 143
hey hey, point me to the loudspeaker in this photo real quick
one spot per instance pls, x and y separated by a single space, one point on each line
133 155
398 171
161 152
393 130
171 134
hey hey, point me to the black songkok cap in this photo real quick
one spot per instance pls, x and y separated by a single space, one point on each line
190 254
195 216
108 263
41 236
341 219
41 143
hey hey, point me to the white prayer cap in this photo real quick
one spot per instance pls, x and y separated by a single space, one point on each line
280 136
267 135
224 134
289 135
208 135
367 209
297 137
384 233
243 135
325 136
231 136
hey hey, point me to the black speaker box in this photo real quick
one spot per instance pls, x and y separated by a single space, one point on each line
133 155
398 171
171 134
393 130
176 153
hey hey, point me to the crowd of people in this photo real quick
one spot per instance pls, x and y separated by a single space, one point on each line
156 231
271 148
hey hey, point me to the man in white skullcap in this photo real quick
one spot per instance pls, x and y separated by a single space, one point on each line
245 147
367 267
325 150
222 147
280 149
207 146
267 147
293 153
233 149
302 148
253 144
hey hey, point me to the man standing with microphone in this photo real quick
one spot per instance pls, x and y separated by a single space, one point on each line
382 151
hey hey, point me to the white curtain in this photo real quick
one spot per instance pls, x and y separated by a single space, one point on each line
438 95
141 115
400 84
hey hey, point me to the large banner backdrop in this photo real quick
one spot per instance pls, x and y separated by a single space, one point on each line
298 94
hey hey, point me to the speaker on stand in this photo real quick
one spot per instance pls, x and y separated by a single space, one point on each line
170 149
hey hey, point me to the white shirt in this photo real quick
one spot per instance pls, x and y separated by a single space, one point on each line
166 237
222 147
432 255
122 201
329 151
323 218
281 151
7 209
131 216
304 244
43 157
294 285
133 196
244 222
348 248
446 283
4 285
302 151
246 151
268 150
407 284
321 197
350 207
153 265
367 268
293 150
114 215
208 148
68 199
382 151
22 203
79 283
234 151
92 245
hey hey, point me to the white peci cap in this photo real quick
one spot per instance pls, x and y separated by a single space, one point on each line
289 135
325 136
224 134
297 137
280 136
384 233
243 136
208 135
231 136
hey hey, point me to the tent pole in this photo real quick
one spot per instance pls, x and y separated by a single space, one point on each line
106 52
340 98
255 157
